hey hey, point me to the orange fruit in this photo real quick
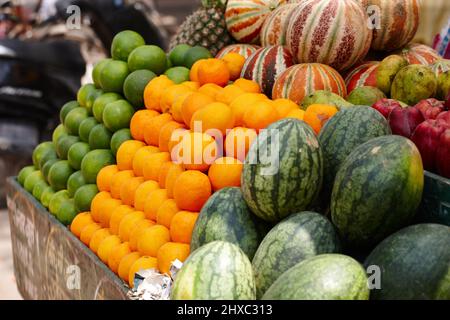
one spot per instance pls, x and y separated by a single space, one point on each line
104 177
196 151
106 246
163 173
225 172
210 89
106 209
175 111
140 158
166 212
316 115
242 103
193 74
194 86
191 190
128 223
97 238
152 239
153 91
79 222
153 164
175 139
213 71
229 93
143 263
153 201
182 225
166 133
284 107
193 103
235 62
169 252
126 152
260 115
88 231
298 114
170 94
172 174
125 264
238 142
248 85
128 190
117 254
96 203
215 116
137 232
118 180
154 125
139 122
116 217
142 192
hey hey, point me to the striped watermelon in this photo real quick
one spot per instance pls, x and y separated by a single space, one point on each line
245 18
441 66
419 54
283 170
332 32
377 190
398 22
245 50
300 81
273 31
265 65
216 271
296 238
363 75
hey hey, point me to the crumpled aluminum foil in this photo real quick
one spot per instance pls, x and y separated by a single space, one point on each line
149 284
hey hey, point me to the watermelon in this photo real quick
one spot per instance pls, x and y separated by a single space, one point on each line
363 75
245 50
296 238
414 264
323 277
419 54
377 190
332 32
244 18
302 80
216 271
348 129
398 22
225 216
283 170
265 65
273 31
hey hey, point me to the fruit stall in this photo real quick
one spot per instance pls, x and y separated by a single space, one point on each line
275 145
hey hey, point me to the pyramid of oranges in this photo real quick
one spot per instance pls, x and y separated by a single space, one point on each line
189 141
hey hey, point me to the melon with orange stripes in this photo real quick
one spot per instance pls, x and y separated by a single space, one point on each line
419 54
301 80
245 18
332 32
362 75
273 31
245 50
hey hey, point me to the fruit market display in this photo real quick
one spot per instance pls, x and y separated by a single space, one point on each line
285 167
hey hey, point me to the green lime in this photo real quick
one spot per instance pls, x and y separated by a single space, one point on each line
38 189
84 92
93 162
59 174
46 196
59 131
85 128
49 155
65 109
117 115
100 137
134 85
56 200
63 145
124 43
83 197
32 178
91 99
24 173
177 54
113 76
46 167
97 71
74 119
76 154
194 54
178 74
40 150
75 181
66 212
151 58
101 102
118 138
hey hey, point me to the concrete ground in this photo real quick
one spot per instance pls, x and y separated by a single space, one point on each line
8 288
